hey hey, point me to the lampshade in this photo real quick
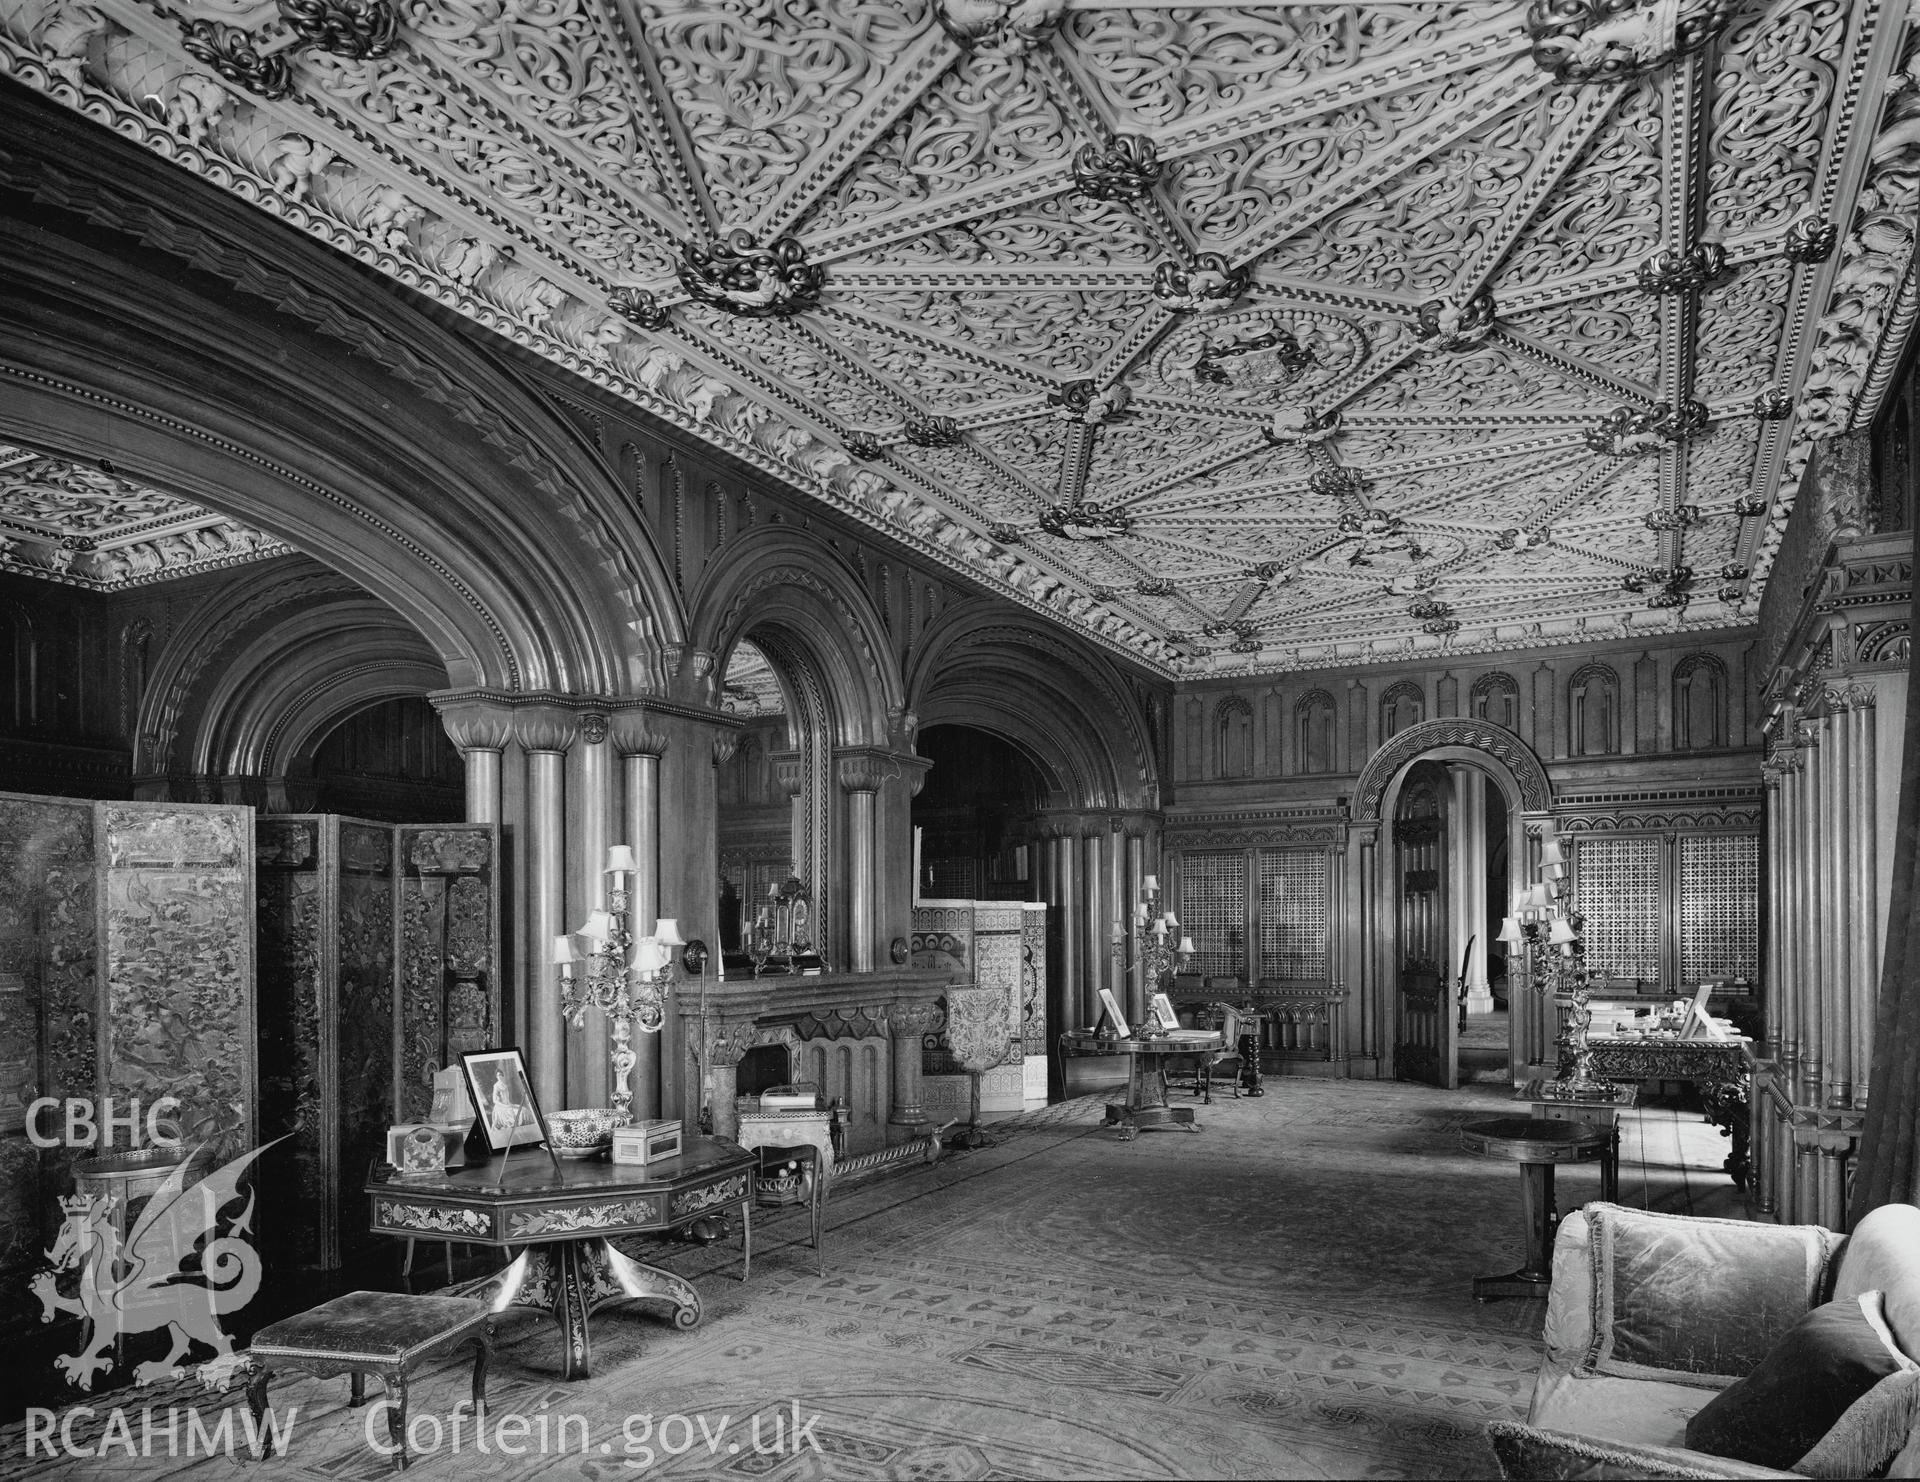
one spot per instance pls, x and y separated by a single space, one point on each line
563 950
620 860
1550 851
1186 945
1553 871
667 930
1510 932
1534 898
598 926
1150 884
1171 919
650 955
1561 932
1551 888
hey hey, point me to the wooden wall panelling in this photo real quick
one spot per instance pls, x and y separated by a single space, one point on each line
48 991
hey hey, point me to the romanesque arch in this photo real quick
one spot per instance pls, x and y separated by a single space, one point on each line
1062 705
1516 760
277 385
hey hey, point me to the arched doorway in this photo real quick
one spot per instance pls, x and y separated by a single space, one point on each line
1423 810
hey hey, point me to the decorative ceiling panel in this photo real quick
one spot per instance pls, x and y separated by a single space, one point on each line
87 527
1242 337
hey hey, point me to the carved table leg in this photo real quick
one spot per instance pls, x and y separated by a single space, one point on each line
1725 1100
571 1304
257 1403
397 1418
1251 1080
619 1278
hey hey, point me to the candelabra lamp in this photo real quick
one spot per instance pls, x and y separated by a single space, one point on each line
1159 945
626 979
1548 926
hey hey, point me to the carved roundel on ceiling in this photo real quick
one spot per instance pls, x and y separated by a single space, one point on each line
1272 356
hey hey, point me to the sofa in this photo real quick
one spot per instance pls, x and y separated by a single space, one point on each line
1652 1315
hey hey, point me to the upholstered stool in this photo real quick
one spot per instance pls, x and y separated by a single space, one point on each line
383 1333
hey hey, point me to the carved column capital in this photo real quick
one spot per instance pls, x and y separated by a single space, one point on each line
790 772
909 1020
545 726
474 719
724 746
636 732
865 770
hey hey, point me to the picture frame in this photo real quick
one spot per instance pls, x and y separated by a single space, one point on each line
508 1112
1162 1011
1114 1013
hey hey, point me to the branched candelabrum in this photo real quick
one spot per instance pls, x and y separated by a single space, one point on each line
624 978
1550 925
1159 944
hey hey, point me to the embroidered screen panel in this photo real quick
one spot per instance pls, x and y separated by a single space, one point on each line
1291 918
1719 907
1619 891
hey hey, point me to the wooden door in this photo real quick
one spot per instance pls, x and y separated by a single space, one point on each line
1424 1030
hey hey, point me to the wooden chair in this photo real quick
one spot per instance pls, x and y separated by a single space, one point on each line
790 1176
1201 1065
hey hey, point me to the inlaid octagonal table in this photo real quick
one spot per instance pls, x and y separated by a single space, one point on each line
561 1224
1146 1104
1537 1144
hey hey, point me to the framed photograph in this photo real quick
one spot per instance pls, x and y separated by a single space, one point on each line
1112 1006
503 1099
1163 1012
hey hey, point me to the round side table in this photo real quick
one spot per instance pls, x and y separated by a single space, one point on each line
1537 1145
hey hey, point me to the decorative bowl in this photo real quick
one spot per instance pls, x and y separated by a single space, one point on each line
585 1132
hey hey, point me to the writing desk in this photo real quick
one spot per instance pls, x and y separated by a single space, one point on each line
561 1226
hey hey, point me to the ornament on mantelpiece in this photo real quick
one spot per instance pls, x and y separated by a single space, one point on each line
752 282
1454 329
1125 169
1209 284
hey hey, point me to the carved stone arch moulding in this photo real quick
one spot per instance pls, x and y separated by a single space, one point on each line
1536 792
847 637
1886 643
943 649
1488 689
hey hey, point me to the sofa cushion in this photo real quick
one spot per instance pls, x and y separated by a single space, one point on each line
1647 1412
1883 1253
1681 1296
1828 1360
1873 1434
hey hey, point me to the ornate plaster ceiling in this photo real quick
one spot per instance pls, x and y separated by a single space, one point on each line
86 527
1233 336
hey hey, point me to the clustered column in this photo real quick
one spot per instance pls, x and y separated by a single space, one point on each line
1823 948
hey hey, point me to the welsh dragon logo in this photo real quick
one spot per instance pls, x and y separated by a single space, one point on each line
143 1287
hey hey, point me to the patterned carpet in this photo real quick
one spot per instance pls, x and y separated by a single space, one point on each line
1284 1294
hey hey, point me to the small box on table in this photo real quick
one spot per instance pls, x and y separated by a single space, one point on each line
644 1143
